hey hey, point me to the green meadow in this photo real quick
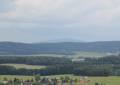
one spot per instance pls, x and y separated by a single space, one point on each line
88 54
18 66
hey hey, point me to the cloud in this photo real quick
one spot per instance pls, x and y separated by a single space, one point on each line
63 11
6 5
85 19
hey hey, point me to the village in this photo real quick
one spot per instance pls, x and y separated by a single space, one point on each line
49 81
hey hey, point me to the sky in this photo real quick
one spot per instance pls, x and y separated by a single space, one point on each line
56 20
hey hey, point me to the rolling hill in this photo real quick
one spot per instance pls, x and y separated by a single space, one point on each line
14 48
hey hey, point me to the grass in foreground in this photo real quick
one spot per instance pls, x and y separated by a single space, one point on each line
112 80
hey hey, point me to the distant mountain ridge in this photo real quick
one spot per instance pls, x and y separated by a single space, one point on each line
64 40
15 48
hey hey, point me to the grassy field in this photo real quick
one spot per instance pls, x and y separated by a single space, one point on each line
17 66
11 77
112 80
105 80
75 55
89 54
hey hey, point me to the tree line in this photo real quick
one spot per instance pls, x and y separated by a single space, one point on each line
105 66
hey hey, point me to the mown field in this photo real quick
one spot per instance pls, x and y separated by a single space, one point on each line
112 80
88 54
78 54
18 66
11 77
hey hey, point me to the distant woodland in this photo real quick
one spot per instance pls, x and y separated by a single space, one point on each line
104 66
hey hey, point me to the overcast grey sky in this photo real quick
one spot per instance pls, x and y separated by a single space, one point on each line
45 20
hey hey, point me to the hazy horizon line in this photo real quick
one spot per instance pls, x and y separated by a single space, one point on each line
58 41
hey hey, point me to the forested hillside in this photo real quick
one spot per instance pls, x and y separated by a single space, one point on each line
57 48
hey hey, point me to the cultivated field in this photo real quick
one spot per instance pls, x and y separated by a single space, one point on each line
89 54
112 80
18 66
11 77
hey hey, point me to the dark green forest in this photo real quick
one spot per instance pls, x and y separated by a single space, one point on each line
105 66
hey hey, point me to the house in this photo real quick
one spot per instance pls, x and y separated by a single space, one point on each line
26 83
